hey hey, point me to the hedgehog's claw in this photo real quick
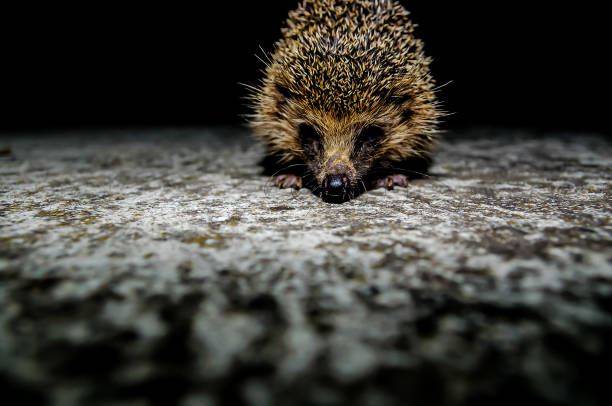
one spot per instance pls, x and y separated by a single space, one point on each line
388 182
287 181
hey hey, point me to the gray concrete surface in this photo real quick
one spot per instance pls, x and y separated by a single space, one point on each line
159 267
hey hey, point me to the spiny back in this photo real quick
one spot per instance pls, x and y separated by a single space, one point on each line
343 56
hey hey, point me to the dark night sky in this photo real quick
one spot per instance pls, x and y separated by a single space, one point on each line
96 66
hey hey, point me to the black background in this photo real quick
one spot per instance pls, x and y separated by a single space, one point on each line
100 65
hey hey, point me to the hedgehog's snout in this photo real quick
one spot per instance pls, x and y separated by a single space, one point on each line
336 184
336 188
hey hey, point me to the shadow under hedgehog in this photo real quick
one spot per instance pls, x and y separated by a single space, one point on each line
348 102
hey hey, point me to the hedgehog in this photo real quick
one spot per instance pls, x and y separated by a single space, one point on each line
347 103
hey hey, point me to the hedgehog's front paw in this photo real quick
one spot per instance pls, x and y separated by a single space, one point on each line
287 181
388 182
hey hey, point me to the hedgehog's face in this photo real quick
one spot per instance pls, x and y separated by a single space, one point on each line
339 154
343 152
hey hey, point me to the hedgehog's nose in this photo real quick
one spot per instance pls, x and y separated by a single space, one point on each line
335 187
336 182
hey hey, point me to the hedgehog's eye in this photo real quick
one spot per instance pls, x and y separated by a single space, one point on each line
309 138
370 135
308 133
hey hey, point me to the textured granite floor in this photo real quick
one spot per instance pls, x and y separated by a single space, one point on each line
159 267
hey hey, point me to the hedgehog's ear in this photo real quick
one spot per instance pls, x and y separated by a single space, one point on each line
283 93
404 102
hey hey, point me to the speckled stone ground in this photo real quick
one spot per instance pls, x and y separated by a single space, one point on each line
159 267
